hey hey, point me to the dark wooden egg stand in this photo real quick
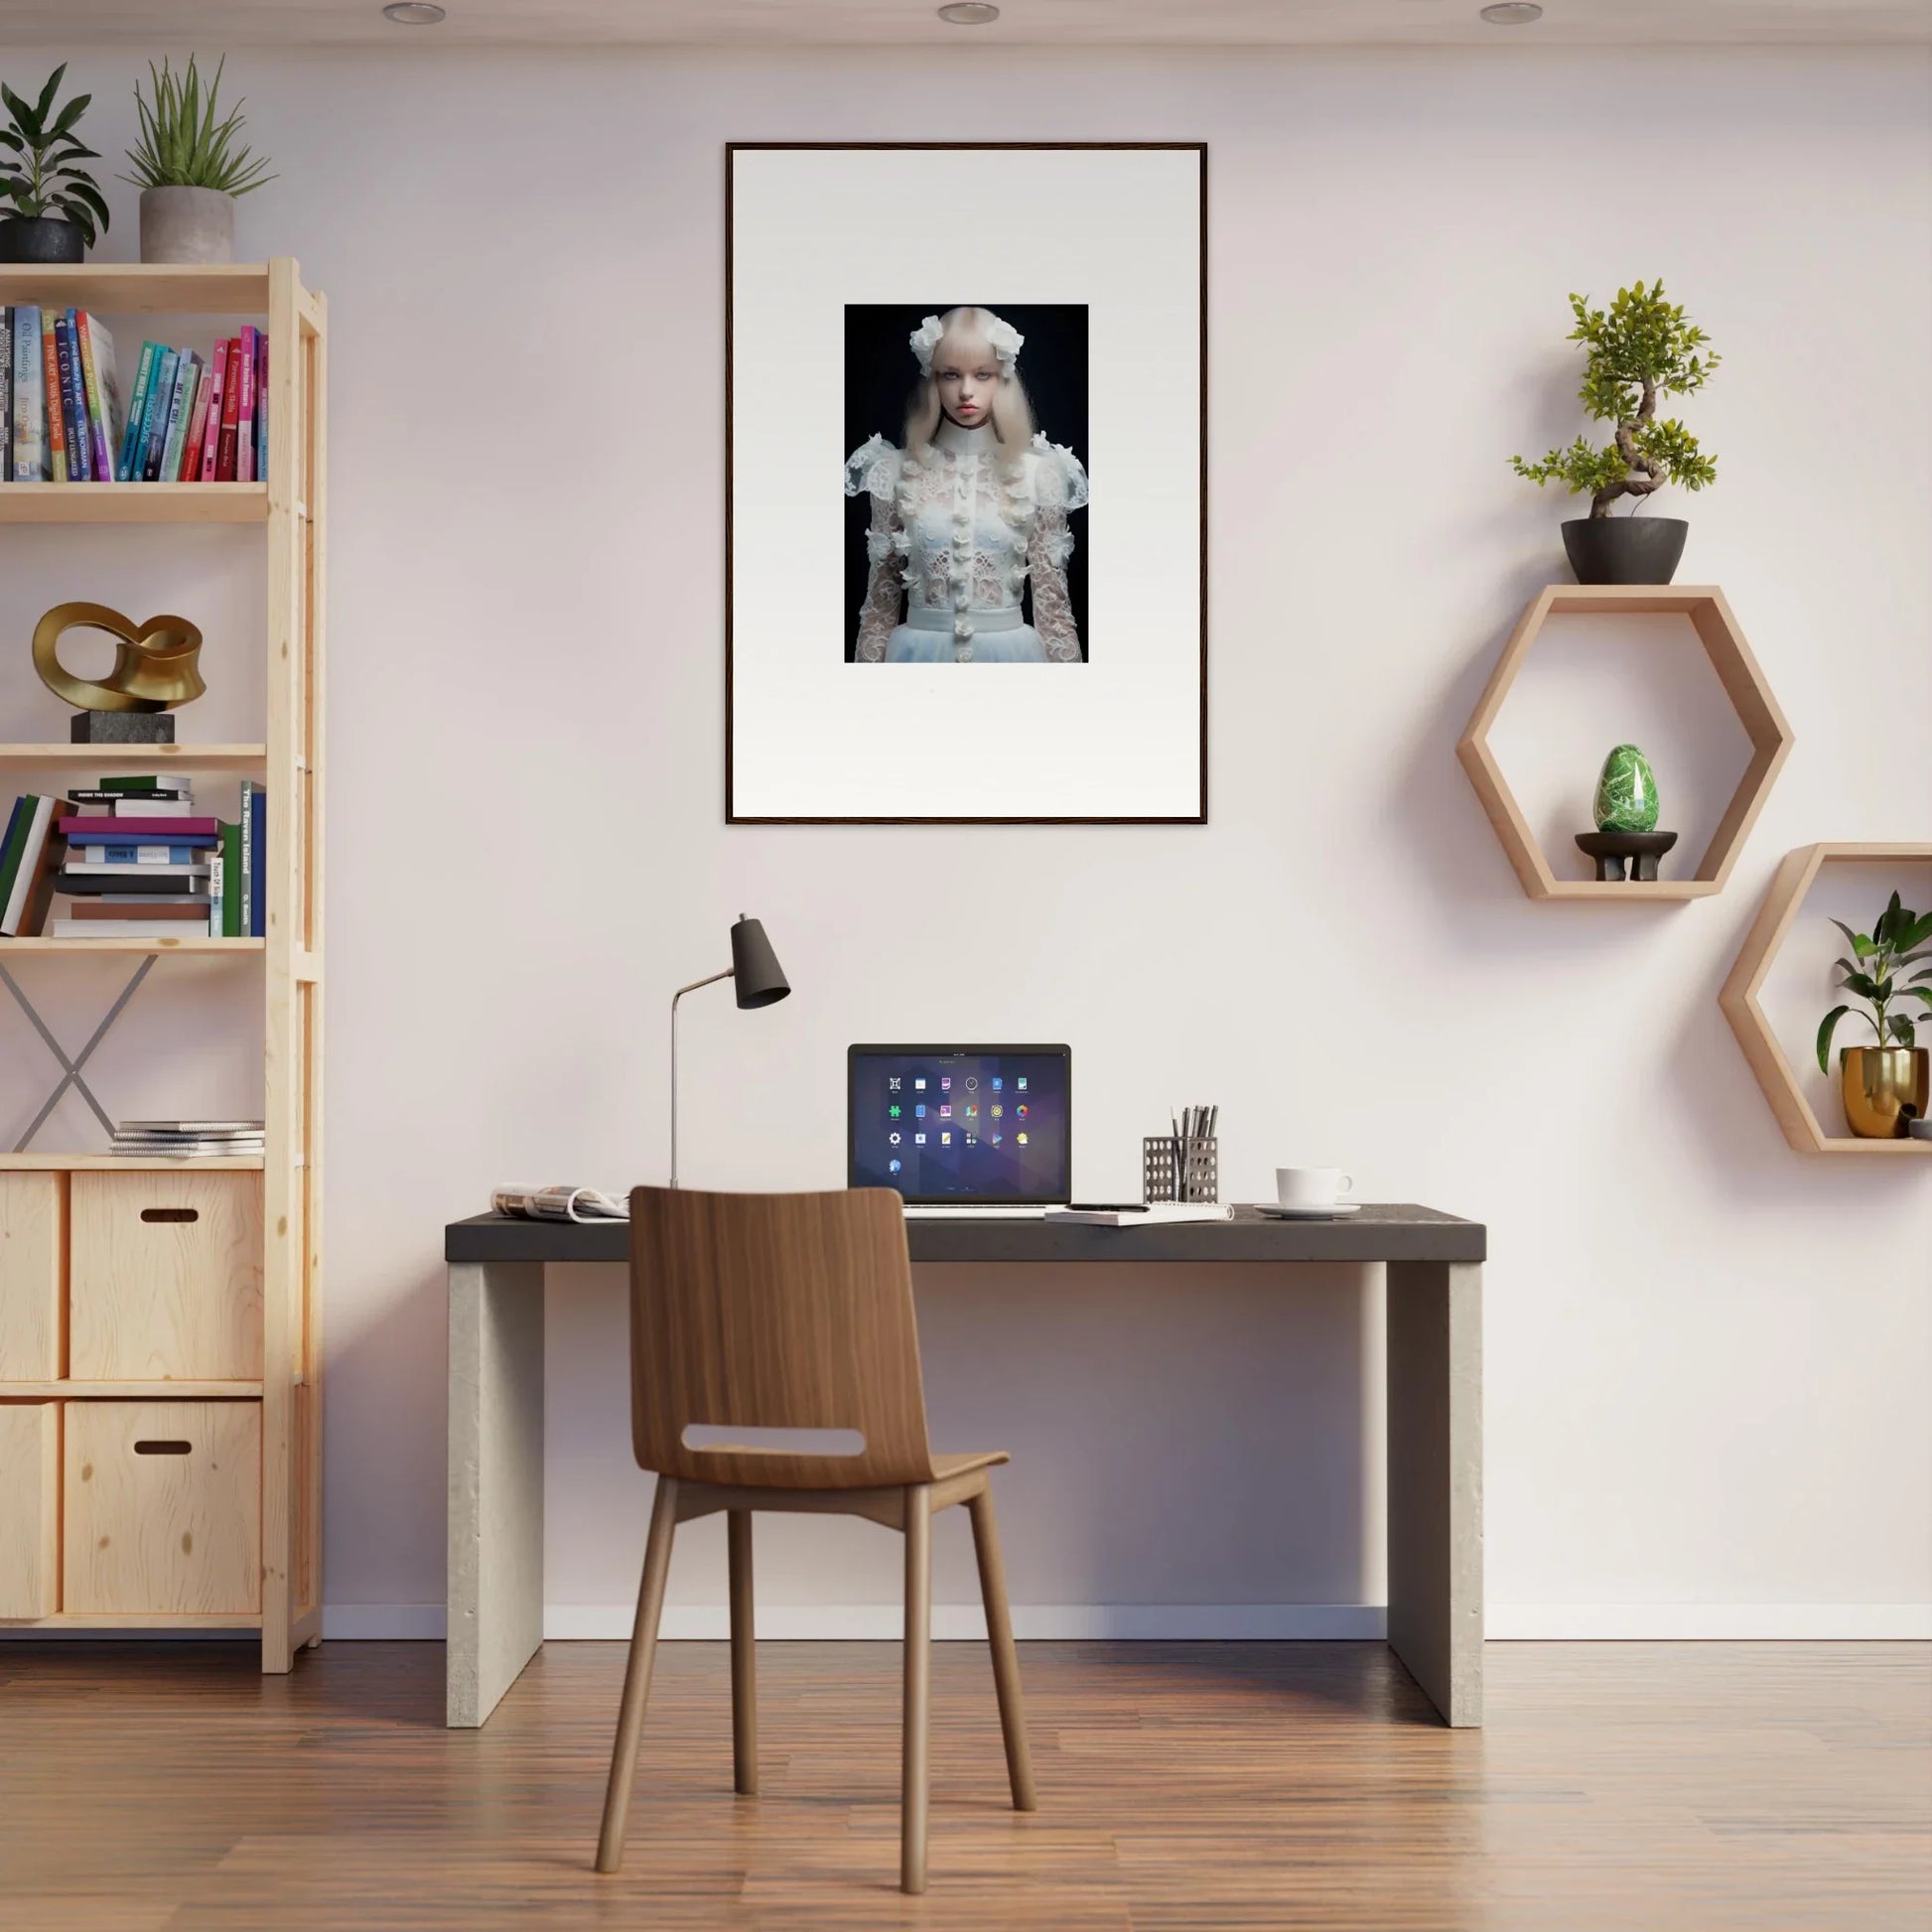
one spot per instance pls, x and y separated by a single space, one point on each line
1611 850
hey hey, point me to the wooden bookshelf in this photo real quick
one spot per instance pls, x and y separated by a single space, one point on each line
134 502
65 1201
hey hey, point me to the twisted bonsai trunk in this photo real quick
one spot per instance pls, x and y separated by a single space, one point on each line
1642 477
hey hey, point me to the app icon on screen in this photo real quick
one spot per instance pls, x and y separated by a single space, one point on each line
892 1110
972 1081
945 1112
891 1167
945 1140
945 1084
971 1142
918 1083
998 1083
1021 1110
891 1083
1021 1138
919 1139
997 1110
918 1110
972 1112
1021 1083
996 1139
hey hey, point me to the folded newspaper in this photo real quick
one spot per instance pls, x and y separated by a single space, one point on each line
558 1204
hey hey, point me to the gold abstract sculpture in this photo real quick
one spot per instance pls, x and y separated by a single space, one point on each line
154 662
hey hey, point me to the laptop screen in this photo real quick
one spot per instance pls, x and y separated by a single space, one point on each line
967 1125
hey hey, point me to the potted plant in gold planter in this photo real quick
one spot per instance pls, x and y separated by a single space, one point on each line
189 168
1885 1085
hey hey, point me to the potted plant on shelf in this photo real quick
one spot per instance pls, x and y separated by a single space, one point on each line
1884 1086
1639 349
51 211
188 168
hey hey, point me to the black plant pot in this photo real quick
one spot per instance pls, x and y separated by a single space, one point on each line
41 238
1624 549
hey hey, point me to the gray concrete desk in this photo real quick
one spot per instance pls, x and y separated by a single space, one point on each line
1435 1413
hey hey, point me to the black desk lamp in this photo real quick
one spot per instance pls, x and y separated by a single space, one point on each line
760 982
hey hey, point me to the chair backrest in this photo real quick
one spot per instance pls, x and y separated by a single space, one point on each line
775 1312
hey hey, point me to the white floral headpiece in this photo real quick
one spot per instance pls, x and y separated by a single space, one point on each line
1006 341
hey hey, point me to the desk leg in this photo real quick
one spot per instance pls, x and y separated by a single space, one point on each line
1434 1329
496 1608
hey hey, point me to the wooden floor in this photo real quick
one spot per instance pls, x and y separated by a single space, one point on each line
1626 1788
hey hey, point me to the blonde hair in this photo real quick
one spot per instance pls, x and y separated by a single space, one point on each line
1012 413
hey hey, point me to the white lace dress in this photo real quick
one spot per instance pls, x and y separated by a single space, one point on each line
955 534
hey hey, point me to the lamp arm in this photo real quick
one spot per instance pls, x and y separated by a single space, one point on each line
712 980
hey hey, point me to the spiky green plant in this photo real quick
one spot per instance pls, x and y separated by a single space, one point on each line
182 144
1640 348
38 178
1878 957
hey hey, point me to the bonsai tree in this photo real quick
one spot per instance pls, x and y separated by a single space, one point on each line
1638 349
1896 941
38 178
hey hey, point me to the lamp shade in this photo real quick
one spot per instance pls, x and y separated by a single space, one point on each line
757 977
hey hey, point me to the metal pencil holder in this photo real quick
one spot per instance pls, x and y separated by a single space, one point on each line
1179 1170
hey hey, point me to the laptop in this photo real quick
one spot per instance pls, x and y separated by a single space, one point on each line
962 1129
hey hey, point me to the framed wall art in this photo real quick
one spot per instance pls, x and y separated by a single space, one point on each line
966 482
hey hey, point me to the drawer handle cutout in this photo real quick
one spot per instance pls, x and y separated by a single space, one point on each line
171 1214
153 1448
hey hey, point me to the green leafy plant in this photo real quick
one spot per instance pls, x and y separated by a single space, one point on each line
1897 940
182 144
37 176
1637 351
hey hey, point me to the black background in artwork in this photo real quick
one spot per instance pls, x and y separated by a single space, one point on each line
881 374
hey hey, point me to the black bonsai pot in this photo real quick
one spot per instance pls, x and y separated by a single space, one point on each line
41 238
1624 549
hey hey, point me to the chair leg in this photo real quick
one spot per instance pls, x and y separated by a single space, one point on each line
636 1675
1006 1659
744 1675
918 1688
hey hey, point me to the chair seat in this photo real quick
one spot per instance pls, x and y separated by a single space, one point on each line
944 1467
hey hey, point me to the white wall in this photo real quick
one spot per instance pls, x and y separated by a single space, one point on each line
1706 1356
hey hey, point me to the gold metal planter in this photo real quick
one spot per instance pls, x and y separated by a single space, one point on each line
1883 1088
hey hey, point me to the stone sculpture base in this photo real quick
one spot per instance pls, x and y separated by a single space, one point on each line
1611 850
122 728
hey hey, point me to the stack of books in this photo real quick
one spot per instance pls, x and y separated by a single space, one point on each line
189 418
137 862
186 1140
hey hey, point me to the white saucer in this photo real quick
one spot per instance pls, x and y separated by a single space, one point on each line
1269 1210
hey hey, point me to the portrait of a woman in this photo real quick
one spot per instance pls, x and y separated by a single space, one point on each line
970 532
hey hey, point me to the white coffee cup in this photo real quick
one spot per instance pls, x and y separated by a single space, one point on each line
1311 1186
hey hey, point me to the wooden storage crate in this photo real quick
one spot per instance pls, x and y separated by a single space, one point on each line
33 1252
166 1277
30 1508
163 1508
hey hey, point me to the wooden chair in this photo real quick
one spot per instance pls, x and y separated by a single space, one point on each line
790 1311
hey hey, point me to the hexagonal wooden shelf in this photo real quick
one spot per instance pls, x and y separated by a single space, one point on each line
1751 698
1739 998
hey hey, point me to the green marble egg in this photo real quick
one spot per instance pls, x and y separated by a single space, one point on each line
1626 793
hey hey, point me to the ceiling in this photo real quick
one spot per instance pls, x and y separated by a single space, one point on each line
1071 23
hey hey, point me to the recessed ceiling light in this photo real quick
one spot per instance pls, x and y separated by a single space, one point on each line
969 13
413 13
1512 13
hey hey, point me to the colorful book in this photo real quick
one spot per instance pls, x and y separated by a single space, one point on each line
141 906
190 465
153 426
179 408
261 405
217 371
134 854
57 422
180 830
245 462
34 875
6 395
30 406
17 821
258 866
224 457
73 410
232 923
102 382
126 468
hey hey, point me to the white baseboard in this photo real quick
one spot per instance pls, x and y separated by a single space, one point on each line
1194 1622
1709 1622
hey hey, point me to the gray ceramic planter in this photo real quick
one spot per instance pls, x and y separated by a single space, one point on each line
187 224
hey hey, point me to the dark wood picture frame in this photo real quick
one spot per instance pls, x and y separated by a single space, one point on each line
734 148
